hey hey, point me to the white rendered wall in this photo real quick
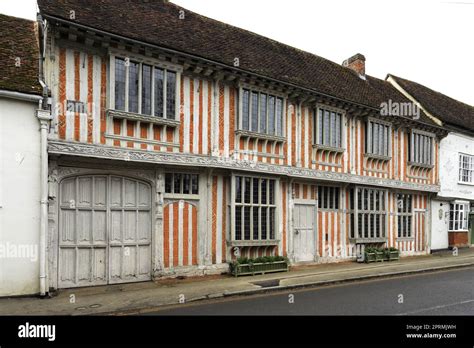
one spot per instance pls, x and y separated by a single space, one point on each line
19 197
451 189
450 147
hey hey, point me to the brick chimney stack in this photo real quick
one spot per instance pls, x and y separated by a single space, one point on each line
356 63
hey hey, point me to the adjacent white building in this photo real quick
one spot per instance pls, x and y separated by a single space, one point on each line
452 216
20 158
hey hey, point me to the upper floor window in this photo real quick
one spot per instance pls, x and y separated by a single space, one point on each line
144 89
420 148
262 113
328 130
378 138
405 215
466 168
458 216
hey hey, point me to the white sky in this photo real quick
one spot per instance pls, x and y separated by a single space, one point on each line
427 41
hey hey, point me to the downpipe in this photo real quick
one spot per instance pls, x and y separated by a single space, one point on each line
44 116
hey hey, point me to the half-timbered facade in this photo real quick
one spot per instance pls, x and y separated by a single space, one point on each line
176 146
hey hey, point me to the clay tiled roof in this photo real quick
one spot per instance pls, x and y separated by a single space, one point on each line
447 109
157 22
18 55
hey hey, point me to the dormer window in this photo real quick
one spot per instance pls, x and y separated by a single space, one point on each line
261 113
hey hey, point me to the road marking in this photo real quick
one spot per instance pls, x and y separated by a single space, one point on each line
436 307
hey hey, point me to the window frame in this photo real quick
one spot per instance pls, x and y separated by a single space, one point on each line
368 150
355 234
470 169
172 194
326 191
233 204
316 128
155 64
411 148
269 93
408 214
465 216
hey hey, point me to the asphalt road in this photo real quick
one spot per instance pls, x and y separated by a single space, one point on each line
441 293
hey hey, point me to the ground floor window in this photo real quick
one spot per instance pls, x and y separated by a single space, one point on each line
328 197
180 183
458 216
404 215
254 209
368 213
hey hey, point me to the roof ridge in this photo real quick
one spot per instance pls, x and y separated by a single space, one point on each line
255 34
17 18
432 90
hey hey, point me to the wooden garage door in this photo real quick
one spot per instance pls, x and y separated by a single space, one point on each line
104 231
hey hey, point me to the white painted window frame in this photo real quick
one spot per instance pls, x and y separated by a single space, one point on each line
470 169
463 216
234 204
154 63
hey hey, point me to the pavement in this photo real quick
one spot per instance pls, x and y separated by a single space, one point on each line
135 298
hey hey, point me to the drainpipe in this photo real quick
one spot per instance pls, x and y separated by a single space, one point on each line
208 253
290 236
44 116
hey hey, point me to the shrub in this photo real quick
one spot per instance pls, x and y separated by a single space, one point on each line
261 259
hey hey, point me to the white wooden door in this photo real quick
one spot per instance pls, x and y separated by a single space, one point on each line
304 232
104 231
